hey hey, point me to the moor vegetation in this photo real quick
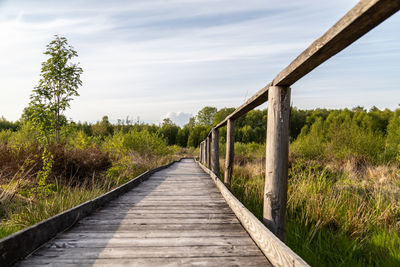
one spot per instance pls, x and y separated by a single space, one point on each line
344 175
344 185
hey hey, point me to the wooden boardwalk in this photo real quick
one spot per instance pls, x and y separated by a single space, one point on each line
176 217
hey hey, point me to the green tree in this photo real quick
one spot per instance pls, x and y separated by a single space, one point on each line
221 115
169 131
59 82
206 115
102 128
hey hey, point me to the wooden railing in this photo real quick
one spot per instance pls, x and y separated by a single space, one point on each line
359 20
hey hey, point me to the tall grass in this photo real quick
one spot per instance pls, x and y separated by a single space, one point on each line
339 213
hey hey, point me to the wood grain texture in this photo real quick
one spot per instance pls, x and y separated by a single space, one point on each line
175 217
230 154
277 153
215 151
273 248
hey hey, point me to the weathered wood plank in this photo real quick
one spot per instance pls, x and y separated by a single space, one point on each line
156 251
140 221
166 210
273 248
179 261
121 215
166 227
76 233
118 242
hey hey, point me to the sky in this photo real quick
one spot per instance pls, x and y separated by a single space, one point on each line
152 59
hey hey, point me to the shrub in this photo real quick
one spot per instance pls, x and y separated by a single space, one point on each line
141 142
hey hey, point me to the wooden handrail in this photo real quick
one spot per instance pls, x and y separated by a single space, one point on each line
363 17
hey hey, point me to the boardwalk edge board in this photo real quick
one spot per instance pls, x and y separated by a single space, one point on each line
273 248
20 244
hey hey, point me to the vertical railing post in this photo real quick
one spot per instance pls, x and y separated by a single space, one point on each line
208 160
201 152
229 156
276 176
203 159
205 151
215 151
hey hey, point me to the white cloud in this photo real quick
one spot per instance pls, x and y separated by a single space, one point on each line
180 118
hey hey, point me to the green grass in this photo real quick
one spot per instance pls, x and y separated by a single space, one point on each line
334 218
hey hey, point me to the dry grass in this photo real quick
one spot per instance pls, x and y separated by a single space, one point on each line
339 212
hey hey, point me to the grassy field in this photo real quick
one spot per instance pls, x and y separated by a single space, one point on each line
340 213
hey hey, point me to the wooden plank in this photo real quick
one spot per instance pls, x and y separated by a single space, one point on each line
133 221
76 233
215 151
273 248
230 154
169 205
363 17
166 210
158 227
130 242
154 216
178 261
135 198
156 251
277 154
171 202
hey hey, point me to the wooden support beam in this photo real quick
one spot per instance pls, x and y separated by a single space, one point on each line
203 159
229 156
276 176
201 152
215 151
205 152
208 140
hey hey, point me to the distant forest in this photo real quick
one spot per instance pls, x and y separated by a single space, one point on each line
374 133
